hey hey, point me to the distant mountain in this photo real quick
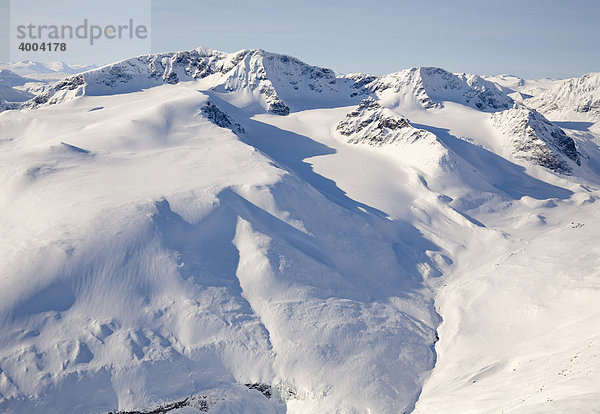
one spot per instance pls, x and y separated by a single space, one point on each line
9 94
10 79
28 67
429 87
577 95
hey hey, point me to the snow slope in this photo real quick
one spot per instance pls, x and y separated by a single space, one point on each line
243 232
9 94
168 244
519 315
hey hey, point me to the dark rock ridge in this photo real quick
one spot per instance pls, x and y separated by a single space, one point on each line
213 113
281 393
9 106
202 403
264 389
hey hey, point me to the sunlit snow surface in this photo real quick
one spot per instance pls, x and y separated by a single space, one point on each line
150 254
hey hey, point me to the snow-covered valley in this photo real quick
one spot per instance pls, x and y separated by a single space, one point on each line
204 231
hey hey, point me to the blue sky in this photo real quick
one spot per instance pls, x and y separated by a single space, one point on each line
532 38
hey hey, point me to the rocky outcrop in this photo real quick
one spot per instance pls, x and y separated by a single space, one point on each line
537 140
201 403
213 113
372 124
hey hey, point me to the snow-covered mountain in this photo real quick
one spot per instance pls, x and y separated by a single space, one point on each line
9 78
256 77
578 95
536 139
28 67
8 83
278 81
430 87
372 124
9 94
202 231
376 126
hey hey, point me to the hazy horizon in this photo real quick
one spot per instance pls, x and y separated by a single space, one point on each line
536 39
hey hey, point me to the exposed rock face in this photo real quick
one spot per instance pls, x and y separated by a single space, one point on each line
372 124
7 106
220 118
429 87
361 83
536 139
580 95
200 403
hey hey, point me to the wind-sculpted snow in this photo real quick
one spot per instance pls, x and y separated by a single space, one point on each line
429 87
578 95
171 259
536 139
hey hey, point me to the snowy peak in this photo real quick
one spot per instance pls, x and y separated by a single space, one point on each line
511 83
580 95
372 124
138 73
280 81
258 75
429 87
536 139
62 67
26 67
